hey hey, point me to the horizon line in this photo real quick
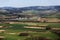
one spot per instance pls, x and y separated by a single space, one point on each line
29 6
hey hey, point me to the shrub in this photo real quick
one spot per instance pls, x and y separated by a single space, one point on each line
57 32
23 34
48 28
37 38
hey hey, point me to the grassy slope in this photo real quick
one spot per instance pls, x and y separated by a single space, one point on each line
16 28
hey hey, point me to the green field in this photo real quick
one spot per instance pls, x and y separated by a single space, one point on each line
18 28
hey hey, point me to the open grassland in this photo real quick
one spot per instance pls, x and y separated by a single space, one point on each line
42 34
13 30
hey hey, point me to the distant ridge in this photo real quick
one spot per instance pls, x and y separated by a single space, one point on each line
44 9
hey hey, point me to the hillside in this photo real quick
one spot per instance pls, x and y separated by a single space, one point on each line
39 10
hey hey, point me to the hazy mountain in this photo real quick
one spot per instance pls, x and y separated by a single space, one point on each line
32 8
41 9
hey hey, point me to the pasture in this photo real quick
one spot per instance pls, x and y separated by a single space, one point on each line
12 31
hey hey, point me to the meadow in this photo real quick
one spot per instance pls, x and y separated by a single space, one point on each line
12 31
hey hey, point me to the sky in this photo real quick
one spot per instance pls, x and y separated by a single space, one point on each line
25 3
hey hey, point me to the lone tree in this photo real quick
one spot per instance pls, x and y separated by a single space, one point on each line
48 28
